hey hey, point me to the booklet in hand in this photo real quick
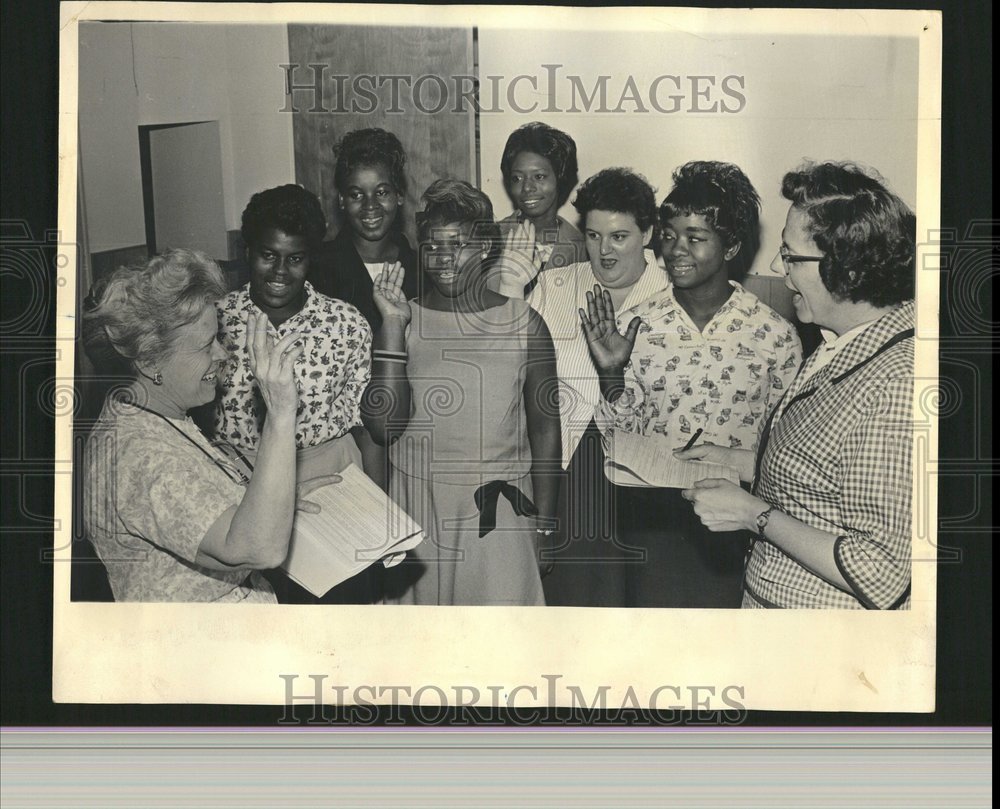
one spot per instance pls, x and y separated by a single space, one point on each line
358 525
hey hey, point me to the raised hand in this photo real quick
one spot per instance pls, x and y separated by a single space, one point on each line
517 264
609 348
388 293
272 364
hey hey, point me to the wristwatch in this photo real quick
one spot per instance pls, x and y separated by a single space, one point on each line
761 521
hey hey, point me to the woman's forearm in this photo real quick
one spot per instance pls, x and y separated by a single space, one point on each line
261 526
546 468
612 382
810 547
385 406
541 407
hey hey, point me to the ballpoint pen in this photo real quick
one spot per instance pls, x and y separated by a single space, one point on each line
694 438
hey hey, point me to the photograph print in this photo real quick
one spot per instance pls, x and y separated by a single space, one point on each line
618 314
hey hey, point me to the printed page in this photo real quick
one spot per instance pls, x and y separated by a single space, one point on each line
637 460
358 525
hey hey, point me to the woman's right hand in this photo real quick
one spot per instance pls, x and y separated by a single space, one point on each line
739 459
609 348
518 264
388 293
273 365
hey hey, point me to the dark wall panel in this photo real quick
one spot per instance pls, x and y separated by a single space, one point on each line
438 143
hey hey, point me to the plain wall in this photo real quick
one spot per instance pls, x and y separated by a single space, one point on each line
819 97
134 74
858 102
437 145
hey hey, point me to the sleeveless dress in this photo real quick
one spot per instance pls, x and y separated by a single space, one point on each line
467 433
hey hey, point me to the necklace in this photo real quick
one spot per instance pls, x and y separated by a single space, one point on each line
233 472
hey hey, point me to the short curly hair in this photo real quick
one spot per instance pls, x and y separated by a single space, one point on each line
553 144
132 315
720 192
288 208
619 190
449 201
370 147
866 233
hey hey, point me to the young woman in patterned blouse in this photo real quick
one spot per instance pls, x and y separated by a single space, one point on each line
704 357
281 228
831 503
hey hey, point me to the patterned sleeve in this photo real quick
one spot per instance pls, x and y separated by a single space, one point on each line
169 498
873 554
628 411
357 372
789 358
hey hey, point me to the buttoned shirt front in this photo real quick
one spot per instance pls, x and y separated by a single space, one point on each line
837 455
331 373
559 295
722 380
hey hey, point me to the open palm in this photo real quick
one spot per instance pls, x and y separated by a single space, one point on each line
518 264
388 293
609 348
272 363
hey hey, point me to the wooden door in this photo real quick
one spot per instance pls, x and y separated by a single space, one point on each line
439 139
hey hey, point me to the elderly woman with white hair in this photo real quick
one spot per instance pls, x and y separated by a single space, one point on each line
172 517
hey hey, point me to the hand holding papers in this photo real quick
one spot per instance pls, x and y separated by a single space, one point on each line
357 525
636 460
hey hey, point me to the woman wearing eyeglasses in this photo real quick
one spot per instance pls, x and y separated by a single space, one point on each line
831 481
464 393
171 517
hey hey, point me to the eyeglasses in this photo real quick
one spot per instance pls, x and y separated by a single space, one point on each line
446 248
788 259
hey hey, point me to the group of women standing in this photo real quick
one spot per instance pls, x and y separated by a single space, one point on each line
481 380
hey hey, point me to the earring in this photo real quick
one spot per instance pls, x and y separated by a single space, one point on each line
157 378
485 254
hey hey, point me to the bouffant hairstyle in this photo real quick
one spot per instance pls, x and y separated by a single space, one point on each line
449 202
288 208
866 233
724 195
621 191
132 315
370 148
553 144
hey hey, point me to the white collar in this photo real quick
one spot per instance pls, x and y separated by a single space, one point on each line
833 342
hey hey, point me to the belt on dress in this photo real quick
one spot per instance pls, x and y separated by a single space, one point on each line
486 497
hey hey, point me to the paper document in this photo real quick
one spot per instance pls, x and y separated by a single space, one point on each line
637 460
358 525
